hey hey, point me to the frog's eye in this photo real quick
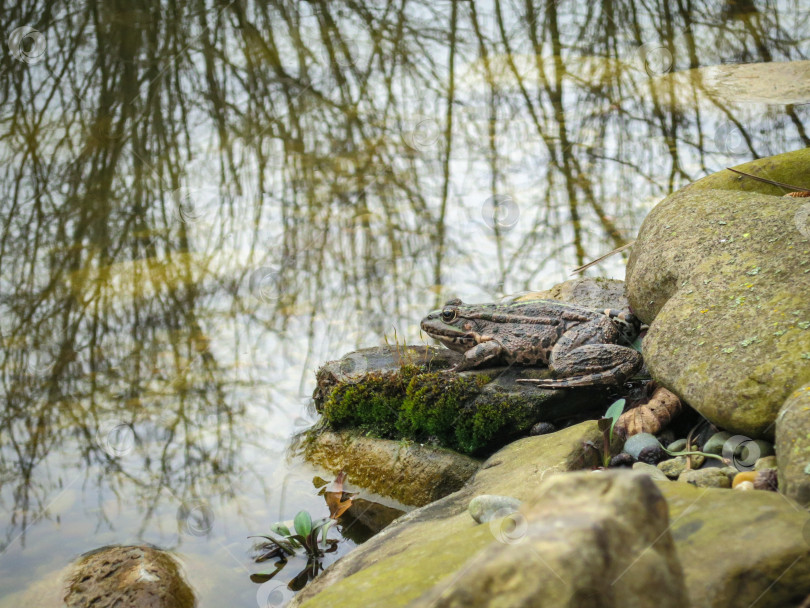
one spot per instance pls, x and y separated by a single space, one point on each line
448 314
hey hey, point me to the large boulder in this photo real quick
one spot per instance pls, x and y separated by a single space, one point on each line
793 446
585 540
721 270
739 548
135 576
428 544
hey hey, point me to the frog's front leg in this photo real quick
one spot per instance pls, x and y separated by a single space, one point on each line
478 354
587 355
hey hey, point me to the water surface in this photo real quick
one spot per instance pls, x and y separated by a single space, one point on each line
201 203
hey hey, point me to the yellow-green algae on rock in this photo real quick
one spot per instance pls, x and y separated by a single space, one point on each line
722 270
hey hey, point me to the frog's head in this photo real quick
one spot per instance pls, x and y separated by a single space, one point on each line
448 326
627 323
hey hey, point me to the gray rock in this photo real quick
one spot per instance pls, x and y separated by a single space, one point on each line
137 576
793 446
720 274
636 443
706 478
716 442
485 507
651 470
679 445
542 428
586 529
596 293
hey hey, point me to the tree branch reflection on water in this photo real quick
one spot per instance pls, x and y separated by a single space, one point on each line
362 158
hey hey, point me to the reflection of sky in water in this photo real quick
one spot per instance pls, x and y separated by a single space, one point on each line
173 275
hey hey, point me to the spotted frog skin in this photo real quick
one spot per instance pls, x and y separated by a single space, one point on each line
582 347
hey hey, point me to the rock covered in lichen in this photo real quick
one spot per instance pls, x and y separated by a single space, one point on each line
793 446
721 270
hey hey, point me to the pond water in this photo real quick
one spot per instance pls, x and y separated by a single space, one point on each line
203 202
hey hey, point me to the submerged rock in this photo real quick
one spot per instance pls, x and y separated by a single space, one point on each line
411 473
721 271
136 576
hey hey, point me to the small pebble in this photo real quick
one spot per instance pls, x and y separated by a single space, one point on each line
715 443
744 476
766 462
542 428
486 507
673 467
679 445
636 443
744 485
650 470
622 459
767 479
652 454
706 478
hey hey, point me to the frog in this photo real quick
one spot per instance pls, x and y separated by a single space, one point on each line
581 346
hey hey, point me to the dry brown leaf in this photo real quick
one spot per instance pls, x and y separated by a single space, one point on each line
650 417
334 497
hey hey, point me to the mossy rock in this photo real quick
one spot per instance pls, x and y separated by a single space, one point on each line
721 270
473 412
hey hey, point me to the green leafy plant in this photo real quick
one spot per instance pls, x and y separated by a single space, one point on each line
606 424
309 535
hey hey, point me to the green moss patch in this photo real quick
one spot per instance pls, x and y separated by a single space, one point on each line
425 406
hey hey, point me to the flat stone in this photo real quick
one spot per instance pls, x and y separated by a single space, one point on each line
412 474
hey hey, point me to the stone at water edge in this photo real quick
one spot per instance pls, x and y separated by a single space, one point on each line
411 473
721 277
485 507
793 446
585 540
133 576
